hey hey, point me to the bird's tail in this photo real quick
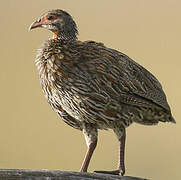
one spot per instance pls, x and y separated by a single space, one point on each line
172 119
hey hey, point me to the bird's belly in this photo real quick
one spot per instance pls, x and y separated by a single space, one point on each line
104 116
64 101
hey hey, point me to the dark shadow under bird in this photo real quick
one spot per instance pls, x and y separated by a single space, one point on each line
93 87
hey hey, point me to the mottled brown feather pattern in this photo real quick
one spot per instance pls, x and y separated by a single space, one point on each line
86 81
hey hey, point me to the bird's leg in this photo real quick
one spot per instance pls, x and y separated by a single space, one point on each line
91 141
121 134
122 140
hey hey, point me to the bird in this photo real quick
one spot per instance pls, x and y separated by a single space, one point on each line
92 87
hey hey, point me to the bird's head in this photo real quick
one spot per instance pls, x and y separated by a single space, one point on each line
59 22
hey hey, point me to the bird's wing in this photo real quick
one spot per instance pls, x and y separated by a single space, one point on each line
99 72
140 81
119 75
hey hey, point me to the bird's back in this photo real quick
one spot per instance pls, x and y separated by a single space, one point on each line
90 82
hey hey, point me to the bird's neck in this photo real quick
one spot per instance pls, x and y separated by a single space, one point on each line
62 36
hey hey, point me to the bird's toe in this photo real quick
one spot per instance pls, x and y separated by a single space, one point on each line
115 172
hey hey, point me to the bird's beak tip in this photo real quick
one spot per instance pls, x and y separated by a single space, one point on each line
34 25
30 28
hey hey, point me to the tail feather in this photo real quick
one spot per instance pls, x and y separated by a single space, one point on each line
172 120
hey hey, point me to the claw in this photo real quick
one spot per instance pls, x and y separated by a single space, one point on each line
122 172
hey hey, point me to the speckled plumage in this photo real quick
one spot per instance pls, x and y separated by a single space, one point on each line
93 87
98 85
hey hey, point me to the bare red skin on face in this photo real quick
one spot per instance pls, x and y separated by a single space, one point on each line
46 20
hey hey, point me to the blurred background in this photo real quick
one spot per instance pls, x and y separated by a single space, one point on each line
32 136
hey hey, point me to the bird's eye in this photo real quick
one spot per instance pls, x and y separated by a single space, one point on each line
50 17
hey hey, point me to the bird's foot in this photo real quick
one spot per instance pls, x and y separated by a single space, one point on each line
116 172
